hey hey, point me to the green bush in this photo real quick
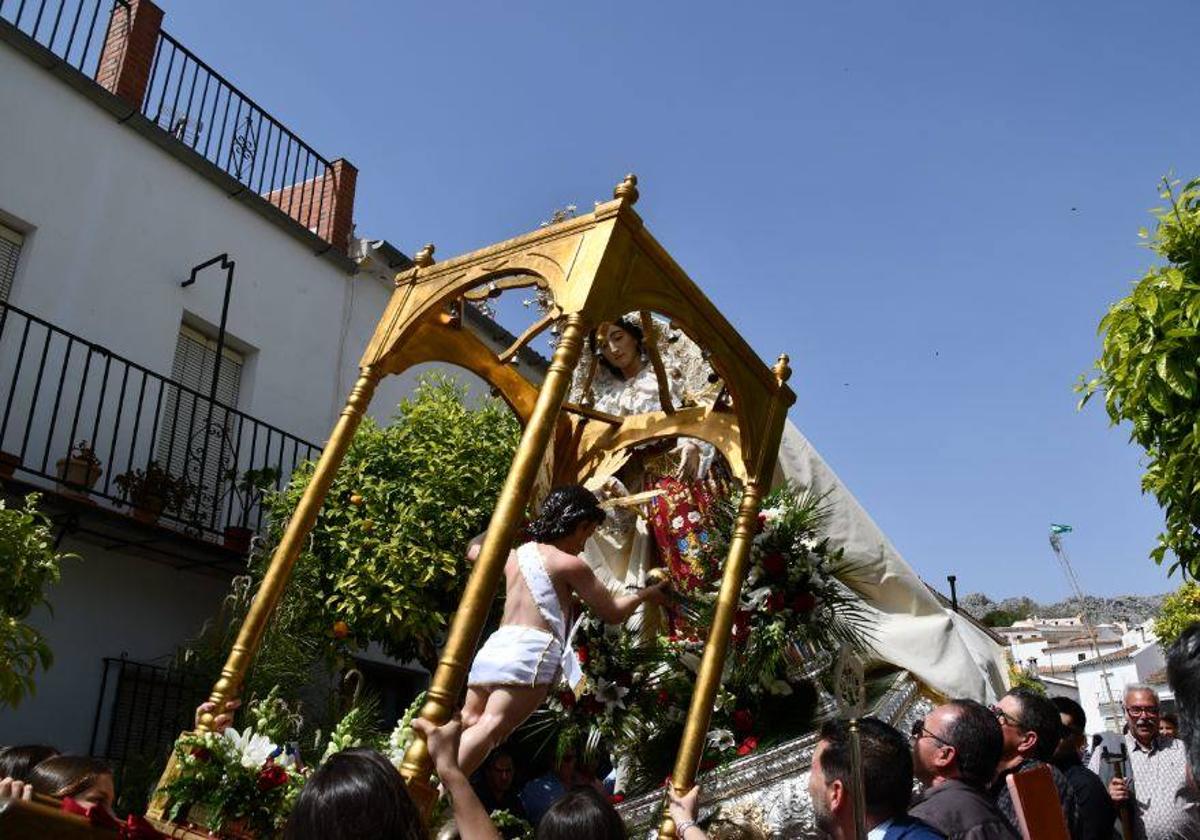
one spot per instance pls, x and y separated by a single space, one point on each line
1179 610
386 559
30 564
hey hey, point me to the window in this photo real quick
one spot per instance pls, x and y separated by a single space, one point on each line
10 250
1082 657
195 437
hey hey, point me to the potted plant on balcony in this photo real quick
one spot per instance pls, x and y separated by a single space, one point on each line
154 490
80 470
248 488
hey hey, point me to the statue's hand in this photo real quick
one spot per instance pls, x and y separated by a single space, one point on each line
689 461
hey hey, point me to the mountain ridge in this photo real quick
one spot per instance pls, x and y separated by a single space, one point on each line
1132 609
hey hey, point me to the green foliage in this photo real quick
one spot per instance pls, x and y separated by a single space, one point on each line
29 565
385 561
1002 618
1020 679
1180 610
1148 372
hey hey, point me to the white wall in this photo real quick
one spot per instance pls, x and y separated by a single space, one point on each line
106 604
116 224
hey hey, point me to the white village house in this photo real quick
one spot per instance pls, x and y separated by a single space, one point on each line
154 219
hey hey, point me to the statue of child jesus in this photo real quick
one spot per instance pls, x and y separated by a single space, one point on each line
531 651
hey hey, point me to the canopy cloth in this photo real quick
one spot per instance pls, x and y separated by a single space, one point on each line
912 629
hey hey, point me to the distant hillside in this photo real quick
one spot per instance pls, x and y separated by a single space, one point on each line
1129 608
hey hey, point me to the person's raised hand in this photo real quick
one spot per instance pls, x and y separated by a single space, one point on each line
222 721
442 743
682 808
1118 790
11 788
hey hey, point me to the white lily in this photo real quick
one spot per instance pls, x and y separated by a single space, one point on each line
721 739
611 694
252 749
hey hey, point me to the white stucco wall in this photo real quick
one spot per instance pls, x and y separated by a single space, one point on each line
106 604
115 223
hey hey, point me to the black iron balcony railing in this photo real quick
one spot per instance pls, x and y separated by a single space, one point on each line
94 425
74 30
205 112
194 103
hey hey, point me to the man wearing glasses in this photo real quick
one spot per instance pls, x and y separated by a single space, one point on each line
1031 728
955 751
1155 788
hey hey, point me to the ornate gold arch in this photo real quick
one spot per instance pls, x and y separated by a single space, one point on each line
593 268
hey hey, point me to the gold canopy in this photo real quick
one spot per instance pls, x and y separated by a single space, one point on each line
593 268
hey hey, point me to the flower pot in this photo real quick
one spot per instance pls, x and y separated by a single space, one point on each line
78 473
148 508
238 538
8 463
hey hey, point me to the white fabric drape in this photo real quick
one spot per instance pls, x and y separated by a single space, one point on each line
912 629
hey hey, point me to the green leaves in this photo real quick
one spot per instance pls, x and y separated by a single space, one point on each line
1147 370
387 555
30 564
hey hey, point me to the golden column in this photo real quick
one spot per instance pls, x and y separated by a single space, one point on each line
708 678
451 674
274 582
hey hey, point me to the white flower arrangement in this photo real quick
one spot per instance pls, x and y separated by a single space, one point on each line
251 748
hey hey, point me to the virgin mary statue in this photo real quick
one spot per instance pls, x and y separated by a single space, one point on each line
677 480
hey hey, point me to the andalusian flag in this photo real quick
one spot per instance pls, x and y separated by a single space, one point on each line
1060 529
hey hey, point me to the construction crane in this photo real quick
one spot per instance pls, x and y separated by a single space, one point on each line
1056 534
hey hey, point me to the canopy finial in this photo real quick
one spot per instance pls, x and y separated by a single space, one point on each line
424 257
627 189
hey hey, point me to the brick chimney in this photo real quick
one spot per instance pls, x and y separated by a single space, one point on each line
323 204
128 51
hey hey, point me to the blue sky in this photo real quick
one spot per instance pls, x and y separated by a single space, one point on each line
928 205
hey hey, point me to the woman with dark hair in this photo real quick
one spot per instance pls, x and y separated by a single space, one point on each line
358 795
583 814
355 794
17 762
87 780
530 651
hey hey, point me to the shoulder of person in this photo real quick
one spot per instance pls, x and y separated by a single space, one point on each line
912 828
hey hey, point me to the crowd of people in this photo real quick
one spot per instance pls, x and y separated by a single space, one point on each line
962 755
968 758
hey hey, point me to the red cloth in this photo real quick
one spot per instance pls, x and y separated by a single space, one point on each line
134 827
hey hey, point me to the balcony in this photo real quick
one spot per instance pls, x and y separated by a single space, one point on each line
131 458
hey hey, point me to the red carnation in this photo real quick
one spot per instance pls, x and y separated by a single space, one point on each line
567 699
749 745
762 522
201 754
775 564
804 602
774 602
623 679
663 697
708 764
271 777
743 721
582 653
617 798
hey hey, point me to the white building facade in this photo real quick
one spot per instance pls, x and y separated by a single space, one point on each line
125 164
1101 684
